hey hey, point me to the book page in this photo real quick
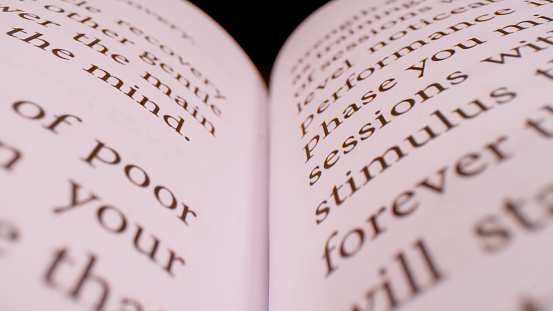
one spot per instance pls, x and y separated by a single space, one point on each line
411 158
132 160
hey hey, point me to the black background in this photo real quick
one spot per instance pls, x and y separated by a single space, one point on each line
260 27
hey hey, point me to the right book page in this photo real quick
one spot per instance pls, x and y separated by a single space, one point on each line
411 158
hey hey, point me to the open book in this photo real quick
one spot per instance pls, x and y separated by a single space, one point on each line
401 159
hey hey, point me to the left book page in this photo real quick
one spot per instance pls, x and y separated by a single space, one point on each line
132 146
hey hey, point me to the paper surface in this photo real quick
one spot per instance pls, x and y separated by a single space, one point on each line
132 143
410 165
